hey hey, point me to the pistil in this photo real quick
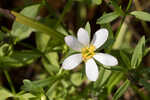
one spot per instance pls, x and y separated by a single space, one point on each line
88 52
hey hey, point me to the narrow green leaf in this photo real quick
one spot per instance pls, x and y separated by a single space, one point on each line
118 68
141 15
5 49
103 77
107 45
27 96
30 87
97 2
4 94
62 30
18 59
20 31
88 28
121 90
44 82
107 18
109 28
38 26
138 53
51 89
117 8
125 59
77 79
51 63
40 83
113 80
42 41
146 51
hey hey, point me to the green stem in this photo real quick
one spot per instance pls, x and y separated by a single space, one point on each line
120 35
9 81
49 8
66 9
121 29
129 5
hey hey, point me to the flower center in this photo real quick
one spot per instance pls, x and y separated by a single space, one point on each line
88 52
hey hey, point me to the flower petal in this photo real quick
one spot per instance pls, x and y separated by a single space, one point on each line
73 43
72 61
100 37
91 70
106 59
83 36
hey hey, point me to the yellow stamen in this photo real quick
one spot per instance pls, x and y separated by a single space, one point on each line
88 52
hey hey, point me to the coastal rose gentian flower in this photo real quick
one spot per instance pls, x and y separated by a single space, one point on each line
87 52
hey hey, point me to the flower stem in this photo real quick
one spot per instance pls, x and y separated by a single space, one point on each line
129 5
9 81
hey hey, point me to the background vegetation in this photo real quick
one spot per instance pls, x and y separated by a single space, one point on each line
32 49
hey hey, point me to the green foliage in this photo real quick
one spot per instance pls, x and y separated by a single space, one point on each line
125 59
145 84
18 59
42 41
38 40
88 28
141 15
50 62
38 26
20 31
98 2
5 49
108 17
26 96
103 77
138 53
117 7
77 79
4 94
121 90
31 87
113 81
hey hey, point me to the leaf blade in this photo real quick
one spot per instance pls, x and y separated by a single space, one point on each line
121 90
141 15
107 18
138 53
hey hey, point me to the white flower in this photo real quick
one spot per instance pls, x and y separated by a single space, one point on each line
82 44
